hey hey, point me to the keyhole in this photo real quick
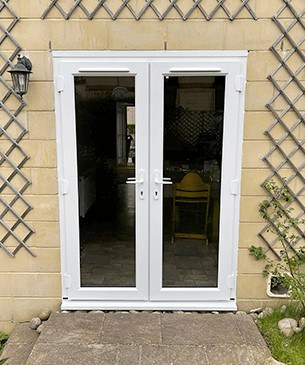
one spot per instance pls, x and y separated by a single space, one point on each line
142 193
156 193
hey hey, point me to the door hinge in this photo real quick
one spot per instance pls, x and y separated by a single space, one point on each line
230 281
234 187
63 186
67 281
60 83
240 83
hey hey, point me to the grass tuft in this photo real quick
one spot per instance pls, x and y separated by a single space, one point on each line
289 350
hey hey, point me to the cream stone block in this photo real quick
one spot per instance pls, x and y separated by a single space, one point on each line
255 125
33 285
40 96
46 234
247 263
249 34
28 31
143 35
248 234
7 326
6 309
267 9
41 125
46 260
42 153
249 209
251 287
45 208
79 34
248 304
44 181
23 285
48 285
5 285
42 65
197 35
260 65
30 8
25 309
258 94
251 182
253 152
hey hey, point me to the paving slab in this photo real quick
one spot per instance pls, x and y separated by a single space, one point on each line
19 345
131 328
143 338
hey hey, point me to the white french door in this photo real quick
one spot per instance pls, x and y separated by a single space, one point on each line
130 127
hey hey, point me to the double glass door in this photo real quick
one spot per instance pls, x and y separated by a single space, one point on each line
148 171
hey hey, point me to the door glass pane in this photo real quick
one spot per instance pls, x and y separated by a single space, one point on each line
193 129
106 140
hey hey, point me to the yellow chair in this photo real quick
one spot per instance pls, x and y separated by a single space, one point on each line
191 196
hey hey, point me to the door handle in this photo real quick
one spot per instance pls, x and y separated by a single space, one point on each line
139 182
158 182
132 180
164 181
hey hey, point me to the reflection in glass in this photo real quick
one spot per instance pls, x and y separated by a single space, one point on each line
106 136
193 129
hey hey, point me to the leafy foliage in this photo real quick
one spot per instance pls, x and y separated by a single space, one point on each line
3 339
290 270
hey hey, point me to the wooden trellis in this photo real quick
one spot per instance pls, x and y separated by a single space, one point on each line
15 232
287 155
228 9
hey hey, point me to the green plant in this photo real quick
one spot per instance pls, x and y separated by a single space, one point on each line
3 339
289 270
289 350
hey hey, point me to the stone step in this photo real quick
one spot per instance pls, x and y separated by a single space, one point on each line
20 344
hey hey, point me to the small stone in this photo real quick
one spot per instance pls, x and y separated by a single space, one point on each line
133 311
65 311
256 310
283 308
302 323
298 330
240 312
35 323
44 315
215 312
97 312
40 328
268 311
253 315
287 326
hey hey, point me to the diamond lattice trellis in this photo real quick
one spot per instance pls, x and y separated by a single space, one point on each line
286 158
227 8
14 231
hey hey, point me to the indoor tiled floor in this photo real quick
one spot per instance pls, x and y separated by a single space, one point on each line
187 263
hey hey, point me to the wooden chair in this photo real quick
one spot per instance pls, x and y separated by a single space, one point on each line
191 196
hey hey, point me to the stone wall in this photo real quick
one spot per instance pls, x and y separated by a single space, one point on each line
29 284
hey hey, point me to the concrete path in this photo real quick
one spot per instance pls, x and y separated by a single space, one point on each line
121 338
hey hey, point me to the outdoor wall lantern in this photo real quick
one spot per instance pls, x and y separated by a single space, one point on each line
20 74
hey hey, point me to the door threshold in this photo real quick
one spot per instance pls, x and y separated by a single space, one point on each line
140 305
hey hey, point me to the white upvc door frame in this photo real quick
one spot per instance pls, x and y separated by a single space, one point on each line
230 176
149 293
68 174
